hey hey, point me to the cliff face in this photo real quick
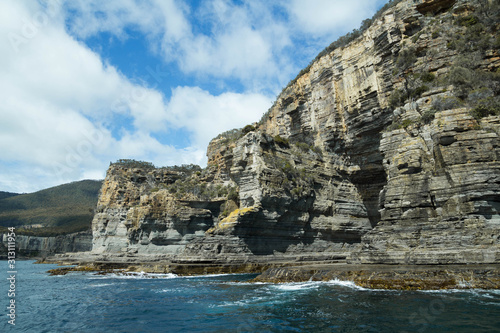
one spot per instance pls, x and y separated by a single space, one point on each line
139 211
384 150
30 246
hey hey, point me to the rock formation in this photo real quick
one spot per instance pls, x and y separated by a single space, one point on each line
37 246
384 150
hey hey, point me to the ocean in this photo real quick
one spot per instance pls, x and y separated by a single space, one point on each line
86 302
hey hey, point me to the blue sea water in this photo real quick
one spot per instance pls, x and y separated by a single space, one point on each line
85 302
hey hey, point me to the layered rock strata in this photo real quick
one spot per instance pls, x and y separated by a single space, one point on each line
34 246
137 214
383 151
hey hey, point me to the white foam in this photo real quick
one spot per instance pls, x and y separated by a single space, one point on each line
138 275
208 275
294 286
101 285
477 292
347 284
264 299
170 290
248 283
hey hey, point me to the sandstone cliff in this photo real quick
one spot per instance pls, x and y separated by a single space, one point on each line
384 150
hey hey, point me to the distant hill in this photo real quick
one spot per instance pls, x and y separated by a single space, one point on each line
4 195
57 210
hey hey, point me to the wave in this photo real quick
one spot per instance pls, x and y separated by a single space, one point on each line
295 286
477 292
136 275
347 284
210 275
101 285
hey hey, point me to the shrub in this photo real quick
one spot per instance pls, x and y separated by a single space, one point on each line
397 98
248 129
496 42
303 146
129 163
415 38
460 76
479 94
231 135
233 194
406 58
462 79
446 103
417 92
406 123
394 126
287 168
317 150
428 116
297 191
281 141
187 169
483 107
427 77
467 21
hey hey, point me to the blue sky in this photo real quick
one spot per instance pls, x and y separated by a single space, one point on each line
86 82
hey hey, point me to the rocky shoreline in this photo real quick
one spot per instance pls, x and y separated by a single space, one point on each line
271 270
397 277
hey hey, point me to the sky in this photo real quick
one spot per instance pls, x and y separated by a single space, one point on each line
87 82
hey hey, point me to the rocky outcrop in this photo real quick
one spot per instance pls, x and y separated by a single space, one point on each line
385 150
34 246
434 6
287 194
137 213
399 277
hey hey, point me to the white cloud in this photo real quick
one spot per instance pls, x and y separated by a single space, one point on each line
252 42
94 16
206 116
329 17
58 98
243 42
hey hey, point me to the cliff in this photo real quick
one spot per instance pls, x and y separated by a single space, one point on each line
37 246
384 150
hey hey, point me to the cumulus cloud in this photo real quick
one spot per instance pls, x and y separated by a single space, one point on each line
327 17
61 102
57 93
66 113
206 116
250 41
93 16
243 42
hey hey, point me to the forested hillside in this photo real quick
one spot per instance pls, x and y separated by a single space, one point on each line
58 210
